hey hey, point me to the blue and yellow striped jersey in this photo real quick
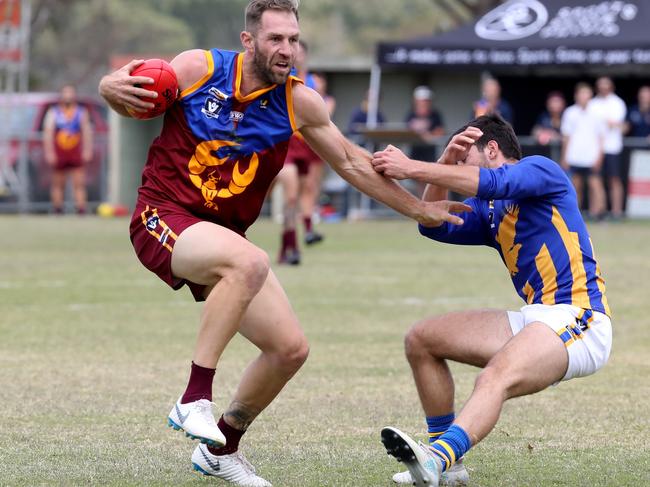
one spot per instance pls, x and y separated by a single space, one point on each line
529 213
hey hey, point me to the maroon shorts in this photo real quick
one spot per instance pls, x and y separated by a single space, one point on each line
301 155
65 164
154 231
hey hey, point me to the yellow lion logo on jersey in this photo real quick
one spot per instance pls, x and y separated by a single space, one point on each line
205 176
67 140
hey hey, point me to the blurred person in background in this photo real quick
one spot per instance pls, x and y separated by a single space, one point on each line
301 175
638 117
491 102
68 147
359 119
582 149
426 122
610 108
310 185
548 125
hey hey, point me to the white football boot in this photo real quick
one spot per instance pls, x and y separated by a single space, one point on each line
424 465
456 476
197 420
231 468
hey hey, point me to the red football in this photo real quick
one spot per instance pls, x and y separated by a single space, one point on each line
164 83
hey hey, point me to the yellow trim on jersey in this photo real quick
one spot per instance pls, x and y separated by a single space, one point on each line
239 63
292 116
204 78
529 292
579 291
506 238
601 282
548 273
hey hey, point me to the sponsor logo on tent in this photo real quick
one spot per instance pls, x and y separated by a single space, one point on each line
518 19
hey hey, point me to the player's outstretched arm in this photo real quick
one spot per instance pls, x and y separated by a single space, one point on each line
353 163
392 162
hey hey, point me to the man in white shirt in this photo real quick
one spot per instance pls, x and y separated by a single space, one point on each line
612 110
582 149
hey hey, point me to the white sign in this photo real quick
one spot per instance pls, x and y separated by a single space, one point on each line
515 19
518 19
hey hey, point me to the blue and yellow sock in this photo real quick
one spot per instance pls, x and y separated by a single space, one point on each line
437 425
451 446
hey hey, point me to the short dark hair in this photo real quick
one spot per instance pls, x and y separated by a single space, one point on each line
496 128
256 8
583 86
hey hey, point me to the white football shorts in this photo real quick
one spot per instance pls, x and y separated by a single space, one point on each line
587 334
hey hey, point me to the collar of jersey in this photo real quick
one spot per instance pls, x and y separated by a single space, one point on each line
239 63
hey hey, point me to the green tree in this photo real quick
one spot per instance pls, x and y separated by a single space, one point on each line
73 41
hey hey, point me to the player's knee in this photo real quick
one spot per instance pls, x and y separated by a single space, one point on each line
291 202
421 340
293 355
489 379
252 270
498 379
414 342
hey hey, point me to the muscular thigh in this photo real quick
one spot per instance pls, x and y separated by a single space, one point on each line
470 337
270 322
532 360
205 251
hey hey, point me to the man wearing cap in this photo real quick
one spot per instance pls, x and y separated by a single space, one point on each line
426 121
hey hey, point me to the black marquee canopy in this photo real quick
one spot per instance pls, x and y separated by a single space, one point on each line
528 33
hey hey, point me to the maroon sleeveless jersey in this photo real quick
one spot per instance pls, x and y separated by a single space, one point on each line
219 151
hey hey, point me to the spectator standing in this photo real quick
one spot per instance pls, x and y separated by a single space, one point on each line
549 123
359 119
582 149
491 101
610 108
638 117
426 121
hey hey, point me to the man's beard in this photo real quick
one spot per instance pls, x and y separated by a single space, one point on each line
264 72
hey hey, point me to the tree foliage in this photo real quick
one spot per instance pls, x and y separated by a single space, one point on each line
73 40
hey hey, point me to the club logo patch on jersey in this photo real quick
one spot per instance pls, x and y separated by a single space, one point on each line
220 171
152 222
264 104
214 103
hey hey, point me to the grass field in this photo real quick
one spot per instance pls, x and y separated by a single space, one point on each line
94 350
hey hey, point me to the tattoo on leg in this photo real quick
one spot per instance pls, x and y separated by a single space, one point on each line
240 416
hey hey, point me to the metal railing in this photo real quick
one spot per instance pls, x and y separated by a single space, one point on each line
23 165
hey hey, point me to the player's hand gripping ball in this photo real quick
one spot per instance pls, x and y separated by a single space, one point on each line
164 83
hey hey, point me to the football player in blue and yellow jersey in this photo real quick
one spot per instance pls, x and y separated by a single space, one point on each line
222 143
527 210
